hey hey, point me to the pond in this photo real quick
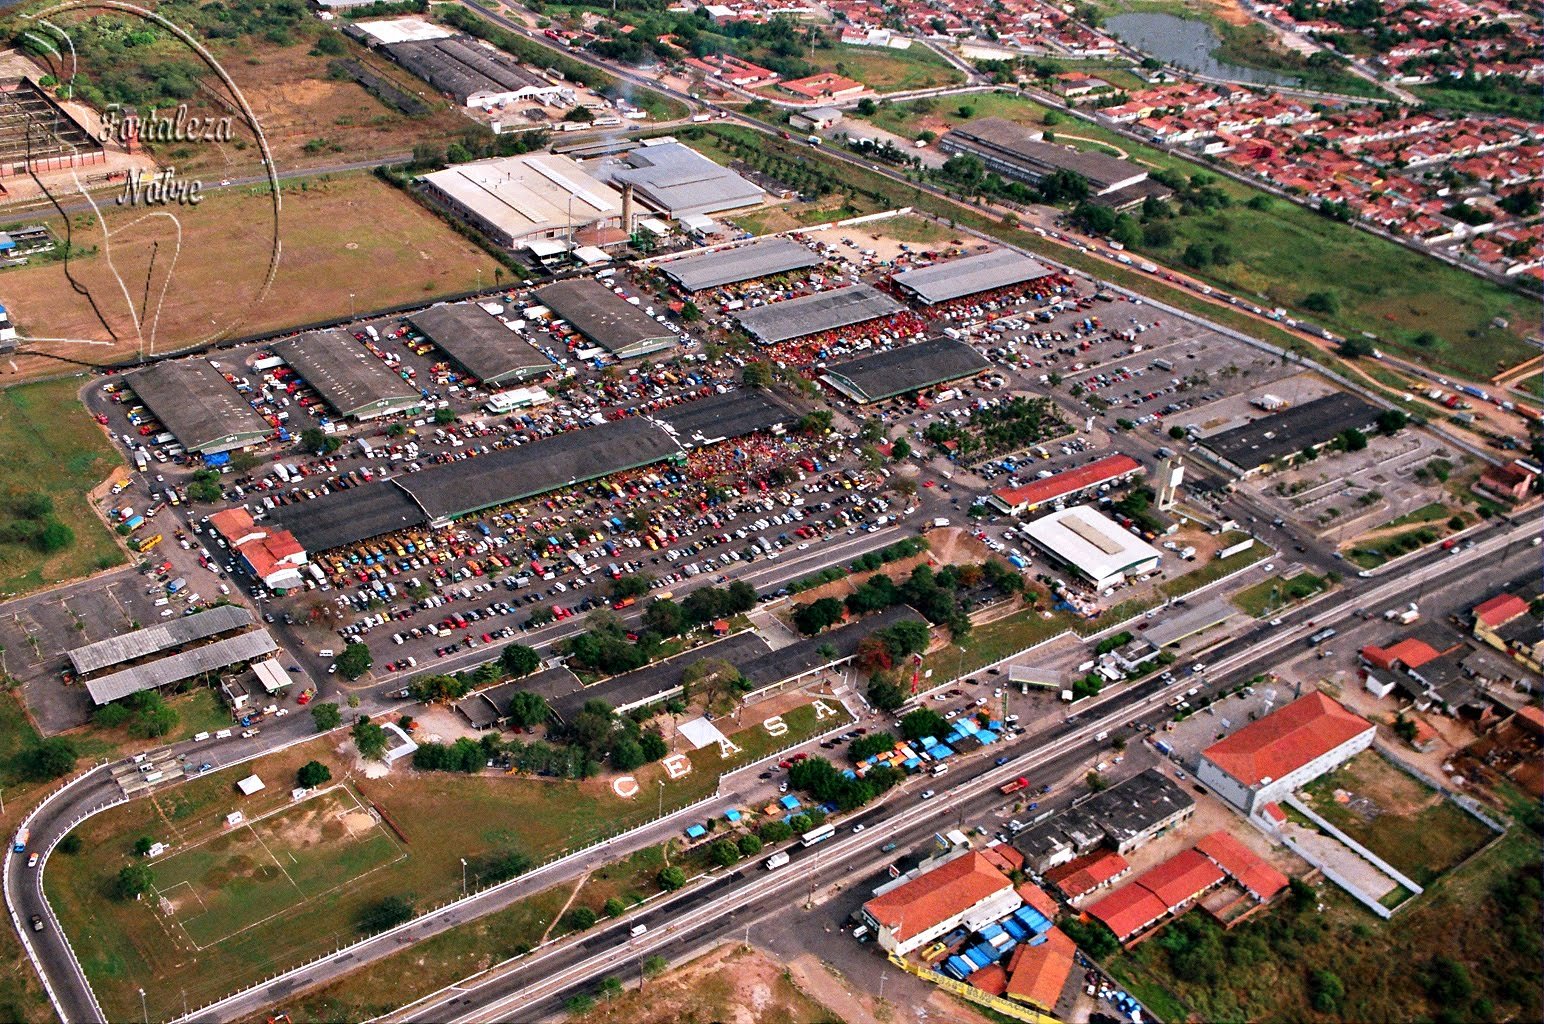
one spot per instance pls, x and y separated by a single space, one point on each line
1186 43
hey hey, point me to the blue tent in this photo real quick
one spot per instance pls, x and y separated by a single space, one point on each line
732 816
1033 920
1015 927
696 832
957 968
790 802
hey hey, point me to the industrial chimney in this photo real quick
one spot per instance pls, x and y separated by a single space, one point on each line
627 208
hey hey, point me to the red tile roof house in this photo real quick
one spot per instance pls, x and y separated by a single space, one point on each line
1510 483
275 556
967 890
1080 878
1268 759
825 86
1129 912
1181 880
1251 871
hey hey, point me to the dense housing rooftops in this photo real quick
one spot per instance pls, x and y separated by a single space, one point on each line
956 278
1316 422
820 311
188 664
480 342
160 637
604 317
348 376
742 263
196 403
882 375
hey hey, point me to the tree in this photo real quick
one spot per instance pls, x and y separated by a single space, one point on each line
313 774
1354 347
527 709
133 881
653 746
757 374
519 660
774 832
579 1005
1325 991
655 965
71 844
579 918
355 661
816 422
665 617
966 111
748 845
1321 302
326 716
632 585
885 695
313 440
579 115
1392 421
672 878
900 449
54 537
865 747
817 615
626 754
1196 256
923 722
723 853
1353 440
52 758
383 914
615 907
867 106
369 738
1177 432
143 845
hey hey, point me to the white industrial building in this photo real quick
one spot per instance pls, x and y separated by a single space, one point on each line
1287 749
1092 545
678 181
966 891
519 199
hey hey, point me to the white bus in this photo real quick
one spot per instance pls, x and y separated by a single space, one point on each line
819 835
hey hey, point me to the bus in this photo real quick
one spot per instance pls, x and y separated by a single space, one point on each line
819 835
1321 636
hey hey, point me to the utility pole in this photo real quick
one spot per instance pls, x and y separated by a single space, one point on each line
463 876
142 1008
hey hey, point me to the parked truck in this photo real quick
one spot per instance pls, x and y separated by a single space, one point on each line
20 845
1403 616
1013 786
777 860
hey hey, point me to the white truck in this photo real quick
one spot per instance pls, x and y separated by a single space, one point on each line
777 860
1403 616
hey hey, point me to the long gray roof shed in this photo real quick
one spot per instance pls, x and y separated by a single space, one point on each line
187 665
820 311
742 263
347 375
480 342
955 279
606 318
160 637
195 402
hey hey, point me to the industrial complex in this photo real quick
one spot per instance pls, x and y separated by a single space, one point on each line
350 378
678 181
516 200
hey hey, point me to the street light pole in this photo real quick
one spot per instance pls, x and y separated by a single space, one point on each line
463 876
142 1007
661 811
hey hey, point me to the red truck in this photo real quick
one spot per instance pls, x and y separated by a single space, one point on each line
1014 786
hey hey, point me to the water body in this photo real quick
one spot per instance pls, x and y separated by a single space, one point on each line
1186 43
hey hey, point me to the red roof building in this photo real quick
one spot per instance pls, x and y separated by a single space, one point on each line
1288 748
1509 483
1018 500
732 69
1179 880
1499 610
1088 874
991 979
1036 897
272 556
1128 912
825 86
1410 653
1037 974
967 890
1243 865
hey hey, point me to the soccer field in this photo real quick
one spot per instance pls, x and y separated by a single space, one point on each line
263 868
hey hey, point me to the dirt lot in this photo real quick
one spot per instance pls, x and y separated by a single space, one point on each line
339 233
731 984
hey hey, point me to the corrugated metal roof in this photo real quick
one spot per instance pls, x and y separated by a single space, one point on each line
956 278
741 263
117 649
186 665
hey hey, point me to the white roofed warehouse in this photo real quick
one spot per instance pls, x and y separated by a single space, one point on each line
679 181
1092 545
954 279
519 199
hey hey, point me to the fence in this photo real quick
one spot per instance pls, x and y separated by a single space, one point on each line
1006 1007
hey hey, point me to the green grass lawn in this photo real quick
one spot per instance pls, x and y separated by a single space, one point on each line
1213 570
1284 253
885 70
1524 103
993 642
1278 592
53 448
442 818
1373 553
1434 512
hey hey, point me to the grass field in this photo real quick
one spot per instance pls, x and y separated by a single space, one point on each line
1524 103
1429 513
1278 592
1483 915
1284 253
1213 570
52 447
265 868
1373 553
341 234
307 895
1397 817
885 70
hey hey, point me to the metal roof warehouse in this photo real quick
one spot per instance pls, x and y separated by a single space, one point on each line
873 378
510 474
1093 545
187 665
347 517
957 278
480 342
605 318
1259 443
820 311
195 402
160 637
348 376
720 417
679 181
742 263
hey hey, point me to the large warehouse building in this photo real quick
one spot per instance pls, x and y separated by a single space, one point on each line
1000 268
1069 483
900 371
606 318
347 375
680 182
1290 747
1254 446
481 343
1017 152
198 405
820 311
520 199
741 263
472 74
1092 545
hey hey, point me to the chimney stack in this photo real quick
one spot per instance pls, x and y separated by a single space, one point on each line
627 208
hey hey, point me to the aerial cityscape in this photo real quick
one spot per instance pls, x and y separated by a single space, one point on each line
772 512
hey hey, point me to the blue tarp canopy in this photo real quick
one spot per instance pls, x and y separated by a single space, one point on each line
696 832
732 816
789 802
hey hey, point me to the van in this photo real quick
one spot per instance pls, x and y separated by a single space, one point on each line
325 652
637 930
939 769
